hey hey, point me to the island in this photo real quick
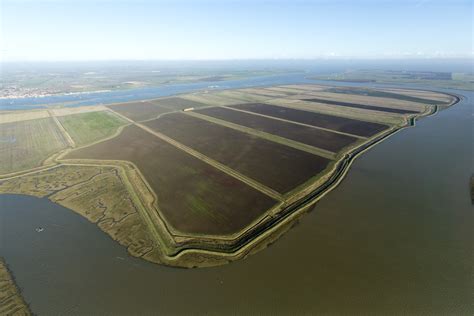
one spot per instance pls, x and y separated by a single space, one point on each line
203 178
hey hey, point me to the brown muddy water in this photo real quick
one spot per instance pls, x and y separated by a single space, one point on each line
394 237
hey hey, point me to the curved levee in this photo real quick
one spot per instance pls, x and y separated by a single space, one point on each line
200 251
341 170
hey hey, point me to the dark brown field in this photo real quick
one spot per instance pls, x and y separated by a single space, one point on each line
279 167
361 106
177 103
139 111
337 123
193 196
303 134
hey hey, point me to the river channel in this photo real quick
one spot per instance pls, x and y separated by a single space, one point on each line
394 237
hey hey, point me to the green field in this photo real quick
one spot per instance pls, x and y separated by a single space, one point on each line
27 144
86 128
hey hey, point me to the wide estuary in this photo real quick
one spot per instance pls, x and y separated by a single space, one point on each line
394 237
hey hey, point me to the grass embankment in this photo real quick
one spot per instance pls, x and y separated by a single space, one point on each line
274 165
200 194
86 128
341 124
181 182
274 138
11 301
97 193
382 94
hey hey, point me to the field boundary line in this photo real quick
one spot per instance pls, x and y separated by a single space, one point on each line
122 116
256 185
62 130
293 122
160 230
339 177
341 102
172 111
158 116
153 206
28 172
267 136
367 116
239 95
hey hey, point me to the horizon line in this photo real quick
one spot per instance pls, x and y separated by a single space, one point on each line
414 57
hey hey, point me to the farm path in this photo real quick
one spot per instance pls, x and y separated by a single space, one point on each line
256 185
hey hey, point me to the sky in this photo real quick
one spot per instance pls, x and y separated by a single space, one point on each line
70 30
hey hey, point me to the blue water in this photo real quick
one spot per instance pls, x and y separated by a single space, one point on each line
395 237
97 98
108 97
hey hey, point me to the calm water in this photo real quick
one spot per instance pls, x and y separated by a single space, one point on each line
75 100
395 236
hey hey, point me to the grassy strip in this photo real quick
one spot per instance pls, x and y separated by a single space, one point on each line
333 110
211 99
256 185
274 138
361 106
212 162
297 123
383 94
288 214
268 191
243 96
65 134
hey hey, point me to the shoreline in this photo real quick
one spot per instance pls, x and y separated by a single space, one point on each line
10 293
205 251
299 207
211 85
303 80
